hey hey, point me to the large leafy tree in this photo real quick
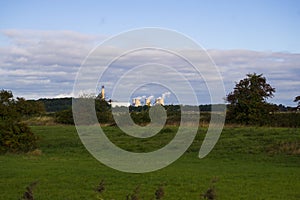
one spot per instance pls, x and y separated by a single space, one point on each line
14 135
248 100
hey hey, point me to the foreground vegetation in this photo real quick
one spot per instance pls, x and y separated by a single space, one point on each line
16 136
247 162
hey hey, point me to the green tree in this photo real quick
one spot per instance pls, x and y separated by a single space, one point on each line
29 108
83 113
7 106
248 100
297 99
14 135
103 111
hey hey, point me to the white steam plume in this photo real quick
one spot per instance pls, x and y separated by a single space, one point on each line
166 95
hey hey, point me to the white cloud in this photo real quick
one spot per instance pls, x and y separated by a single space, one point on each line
44 64
282 70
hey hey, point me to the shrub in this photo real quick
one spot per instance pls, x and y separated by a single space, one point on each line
64 117
14 135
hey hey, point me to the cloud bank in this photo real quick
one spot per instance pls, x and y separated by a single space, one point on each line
36 64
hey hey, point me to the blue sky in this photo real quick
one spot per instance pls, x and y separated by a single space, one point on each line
268 29
256 25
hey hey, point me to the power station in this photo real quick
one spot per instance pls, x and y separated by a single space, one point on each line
137 101
159 101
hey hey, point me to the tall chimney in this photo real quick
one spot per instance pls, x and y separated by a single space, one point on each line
102 93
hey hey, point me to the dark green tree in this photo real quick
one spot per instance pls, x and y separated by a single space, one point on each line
297 99
248 100
7 106
83 113
103 111
14 135
29 108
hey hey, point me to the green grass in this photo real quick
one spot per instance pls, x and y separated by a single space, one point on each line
250 163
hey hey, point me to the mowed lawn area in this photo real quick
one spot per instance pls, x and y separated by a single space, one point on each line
247 162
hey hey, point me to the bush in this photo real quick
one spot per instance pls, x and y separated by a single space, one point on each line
284 119
64 117
14 135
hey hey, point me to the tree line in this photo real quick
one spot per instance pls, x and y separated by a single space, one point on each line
247 105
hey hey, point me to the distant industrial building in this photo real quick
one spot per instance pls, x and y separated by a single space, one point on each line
148 102
159 101
102 94
137 101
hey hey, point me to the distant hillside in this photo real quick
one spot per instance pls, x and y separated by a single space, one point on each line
54 105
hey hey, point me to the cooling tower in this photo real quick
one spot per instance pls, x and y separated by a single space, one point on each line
136 102
159 101
148 101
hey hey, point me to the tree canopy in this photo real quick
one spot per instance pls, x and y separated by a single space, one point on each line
248 99
297 99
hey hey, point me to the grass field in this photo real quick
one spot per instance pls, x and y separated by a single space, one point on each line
248 162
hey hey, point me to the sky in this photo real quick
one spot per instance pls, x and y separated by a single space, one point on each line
44 43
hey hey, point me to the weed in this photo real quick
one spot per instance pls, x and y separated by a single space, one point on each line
159 193
210 194
134 195
100 187
28 194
